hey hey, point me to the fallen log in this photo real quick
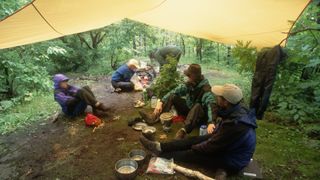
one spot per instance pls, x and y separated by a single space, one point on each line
191 173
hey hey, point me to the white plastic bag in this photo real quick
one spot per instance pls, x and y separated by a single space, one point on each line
159 165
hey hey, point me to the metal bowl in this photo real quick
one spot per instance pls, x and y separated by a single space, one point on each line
149 132
126 169
166 118
137 155
138 126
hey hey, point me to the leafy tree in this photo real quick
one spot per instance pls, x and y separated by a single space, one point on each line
169 79
245 55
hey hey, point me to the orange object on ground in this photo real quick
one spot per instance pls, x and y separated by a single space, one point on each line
92 120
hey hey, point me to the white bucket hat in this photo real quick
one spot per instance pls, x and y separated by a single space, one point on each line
230 92
134 62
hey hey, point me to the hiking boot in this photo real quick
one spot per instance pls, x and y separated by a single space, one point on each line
99 113
220 174
181 134
117 90
152 146
102 107
150 119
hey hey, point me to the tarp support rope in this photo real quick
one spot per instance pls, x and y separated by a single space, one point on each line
46 20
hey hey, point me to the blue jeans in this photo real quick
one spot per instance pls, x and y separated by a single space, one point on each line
78 109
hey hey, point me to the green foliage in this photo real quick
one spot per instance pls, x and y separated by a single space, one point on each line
245 55
19 77
8 7
296 98
296 92
169 79
40 107
284 151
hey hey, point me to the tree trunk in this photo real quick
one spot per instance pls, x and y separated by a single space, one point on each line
199 49
145 43
134 45
183 46
8 83
218 54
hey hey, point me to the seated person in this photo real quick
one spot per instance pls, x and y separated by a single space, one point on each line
229 147
74 100
197 107
161 55
121 77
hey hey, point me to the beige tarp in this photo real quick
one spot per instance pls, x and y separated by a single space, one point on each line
264 22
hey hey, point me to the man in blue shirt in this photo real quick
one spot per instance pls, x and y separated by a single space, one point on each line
121 77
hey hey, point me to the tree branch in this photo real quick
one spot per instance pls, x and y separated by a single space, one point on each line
84 41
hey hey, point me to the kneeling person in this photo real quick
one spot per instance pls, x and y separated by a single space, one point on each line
121 78
229 147
74 100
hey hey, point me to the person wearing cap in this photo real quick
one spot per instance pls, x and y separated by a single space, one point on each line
121 78
230 146
161 55
197 106
74 100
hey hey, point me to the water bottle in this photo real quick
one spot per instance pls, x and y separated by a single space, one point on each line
144 95
154 101
203 130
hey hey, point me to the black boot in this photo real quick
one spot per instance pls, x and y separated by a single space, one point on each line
99 113
150 119
133 121
152 146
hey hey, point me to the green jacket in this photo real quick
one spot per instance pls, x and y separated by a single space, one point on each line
200 94
162 54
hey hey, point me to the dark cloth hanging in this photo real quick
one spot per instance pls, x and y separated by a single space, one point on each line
264 77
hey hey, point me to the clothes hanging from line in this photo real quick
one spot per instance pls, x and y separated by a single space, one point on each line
264 77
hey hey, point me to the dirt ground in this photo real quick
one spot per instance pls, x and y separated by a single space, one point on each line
67 149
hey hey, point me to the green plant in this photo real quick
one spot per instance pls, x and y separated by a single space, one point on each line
169 79
245 55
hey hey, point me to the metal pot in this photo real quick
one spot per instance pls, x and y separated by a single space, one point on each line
137 155
126 169
149 132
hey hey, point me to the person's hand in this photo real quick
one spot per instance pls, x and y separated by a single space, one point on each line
158 108
211 128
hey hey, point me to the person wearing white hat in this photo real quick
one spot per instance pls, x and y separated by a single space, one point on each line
230 145
120 79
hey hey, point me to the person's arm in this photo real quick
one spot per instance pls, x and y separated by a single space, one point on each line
227 135
63 99
208 99
160 58
181 90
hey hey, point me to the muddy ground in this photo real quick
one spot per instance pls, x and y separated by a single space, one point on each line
67 149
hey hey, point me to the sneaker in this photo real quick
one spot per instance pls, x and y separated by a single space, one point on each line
150 119
181 134
117 90
150 145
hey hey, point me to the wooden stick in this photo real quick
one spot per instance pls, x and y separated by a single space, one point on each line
191 173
